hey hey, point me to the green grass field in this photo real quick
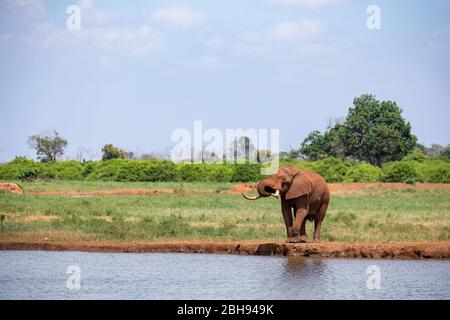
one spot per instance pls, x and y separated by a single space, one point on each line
384 215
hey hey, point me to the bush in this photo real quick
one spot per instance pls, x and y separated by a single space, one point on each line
401 171
363 172
220 172
106 170
332 169
21 169
437 171
160 170
67 170
191 172
130 170
246 173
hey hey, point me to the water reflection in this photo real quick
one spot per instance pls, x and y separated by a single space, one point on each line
42 275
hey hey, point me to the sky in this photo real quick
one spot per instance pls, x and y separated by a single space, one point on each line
135 71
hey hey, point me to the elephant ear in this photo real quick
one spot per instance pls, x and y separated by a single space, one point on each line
299 187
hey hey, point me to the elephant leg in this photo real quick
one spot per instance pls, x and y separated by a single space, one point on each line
297 227
318 221
287 216
303 229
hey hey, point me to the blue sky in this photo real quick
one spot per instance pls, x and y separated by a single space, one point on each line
137 70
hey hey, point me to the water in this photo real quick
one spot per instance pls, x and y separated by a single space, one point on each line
43 275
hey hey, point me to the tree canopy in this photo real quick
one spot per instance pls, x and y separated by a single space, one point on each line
48 146
111 152
373 131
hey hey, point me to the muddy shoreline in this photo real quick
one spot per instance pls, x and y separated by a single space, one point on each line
391 250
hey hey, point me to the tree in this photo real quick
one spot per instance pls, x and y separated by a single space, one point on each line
111 152
376 132
48 146
318 146
315 146
373 131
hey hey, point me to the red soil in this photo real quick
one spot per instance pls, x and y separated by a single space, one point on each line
114 192
14 188
335 188
394 250
242 188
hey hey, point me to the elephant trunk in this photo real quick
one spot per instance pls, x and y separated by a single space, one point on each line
262 189
261 192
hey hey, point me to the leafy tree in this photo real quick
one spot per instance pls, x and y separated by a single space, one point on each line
49 146
315 146
376 132
111 152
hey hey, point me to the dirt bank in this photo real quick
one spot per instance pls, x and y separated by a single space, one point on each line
335 188
367 187
394 250
113 192
12 187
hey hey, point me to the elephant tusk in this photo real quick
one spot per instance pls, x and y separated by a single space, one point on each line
251 198
276 194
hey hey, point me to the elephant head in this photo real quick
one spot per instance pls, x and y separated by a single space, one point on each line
288 182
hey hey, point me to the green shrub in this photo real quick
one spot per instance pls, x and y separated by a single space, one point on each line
89 167
437 171
191 172
332 169
160 170
66 170
363 172
130 170
401 171
220 172
106 170
416 155
21 169
246 173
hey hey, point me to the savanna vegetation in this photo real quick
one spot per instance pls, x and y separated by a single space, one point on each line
373 144
411 169
209 214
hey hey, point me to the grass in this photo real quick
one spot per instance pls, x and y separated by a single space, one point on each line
52 185
401 215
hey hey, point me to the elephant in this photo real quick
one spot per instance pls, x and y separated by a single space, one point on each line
304 196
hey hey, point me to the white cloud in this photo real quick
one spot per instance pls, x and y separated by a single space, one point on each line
111 41
179 16
309 4
297 30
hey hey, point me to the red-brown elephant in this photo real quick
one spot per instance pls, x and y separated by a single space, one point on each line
304 196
